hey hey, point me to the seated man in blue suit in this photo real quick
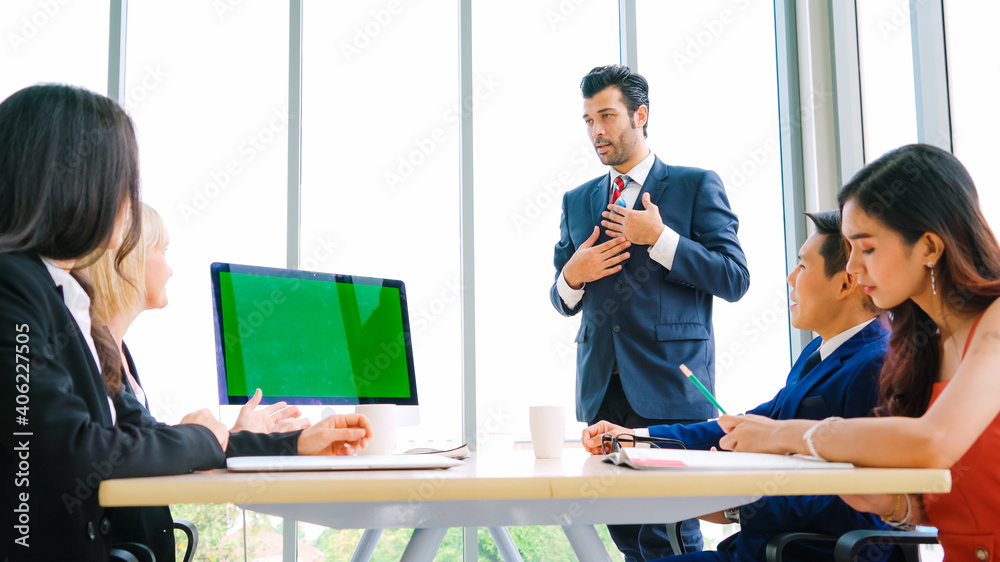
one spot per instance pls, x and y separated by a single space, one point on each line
836 375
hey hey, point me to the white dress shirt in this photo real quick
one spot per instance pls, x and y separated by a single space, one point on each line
662 251
831 345
78 304
140 394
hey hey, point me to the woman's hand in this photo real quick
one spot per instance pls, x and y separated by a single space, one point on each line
759 434
205 418
278 417
591 437
879 504
336 435
290 424
908 509
903 508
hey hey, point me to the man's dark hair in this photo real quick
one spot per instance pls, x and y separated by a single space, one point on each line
834 248
634 88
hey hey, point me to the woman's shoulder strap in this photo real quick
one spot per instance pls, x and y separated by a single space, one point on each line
972 332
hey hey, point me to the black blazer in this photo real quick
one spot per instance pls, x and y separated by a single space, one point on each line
153 525
56 432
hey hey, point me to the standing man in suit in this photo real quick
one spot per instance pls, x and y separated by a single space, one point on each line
644 275
836 375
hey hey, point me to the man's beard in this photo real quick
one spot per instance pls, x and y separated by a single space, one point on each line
623 148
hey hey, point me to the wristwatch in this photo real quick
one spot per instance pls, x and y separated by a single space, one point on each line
732 514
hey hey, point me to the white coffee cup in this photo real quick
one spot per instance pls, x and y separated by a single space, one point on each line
548 430
383 420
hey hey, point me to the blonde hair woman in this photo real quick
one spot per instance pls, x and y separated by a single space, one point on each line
141 286
121 294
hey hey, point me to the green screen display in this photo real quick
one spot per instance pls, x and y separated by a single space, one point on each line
307 338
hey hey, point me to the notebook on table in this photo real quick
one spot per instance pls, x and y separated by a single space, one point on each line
680 459
353 462
460 452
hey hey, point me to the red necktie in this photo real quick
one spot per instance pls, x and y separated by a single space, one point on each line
619 188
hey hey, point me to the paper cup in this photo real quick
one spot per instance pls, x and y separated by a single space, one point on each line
383 420
548 430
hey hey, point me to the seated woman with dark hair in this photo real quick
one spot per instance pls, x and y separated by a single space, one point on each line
69 186
922 249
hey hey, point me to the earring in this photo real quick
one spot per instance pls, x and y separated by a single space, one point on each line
930 265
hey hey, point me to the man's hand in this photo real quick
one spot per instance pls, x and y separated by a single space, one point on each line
591 438
590 263
638 227
276 417
717 517
205 418
336 435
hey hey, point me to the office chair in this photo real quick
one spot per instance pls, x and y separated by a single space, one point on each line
674 535
848 546
135 552
131 552
191 532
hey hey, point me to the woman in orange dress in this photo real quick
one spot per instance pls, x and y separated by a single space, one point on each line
922 249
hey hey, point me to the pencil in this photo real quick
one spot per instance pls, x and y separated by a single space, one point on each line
690 376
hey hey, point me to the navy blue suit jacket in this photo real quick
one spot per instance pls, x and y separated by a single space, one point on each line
845 384
648 318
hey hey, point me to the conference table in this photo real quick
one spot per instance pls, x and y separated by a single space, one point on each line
496 490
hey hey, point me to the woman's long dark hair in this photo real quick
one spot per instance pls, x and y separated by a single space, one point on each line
68 161
913 190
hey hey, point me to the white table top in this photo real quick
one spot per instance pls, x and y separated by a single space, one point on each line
516 475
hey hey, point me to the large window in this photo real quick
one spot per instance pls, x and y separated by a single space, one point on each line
973 83
211 119
380 176
211 111
380 190
65 42
714 105
524 165
886 59
531 146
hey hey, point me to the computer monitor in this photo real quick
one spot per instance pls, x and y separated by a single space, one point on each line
311 338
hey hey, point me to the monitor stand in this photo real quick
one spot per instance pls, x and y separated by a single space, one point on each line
405 415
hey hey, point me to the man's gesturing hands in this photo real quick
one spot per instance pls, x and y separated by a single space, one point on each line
590 263
638 227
